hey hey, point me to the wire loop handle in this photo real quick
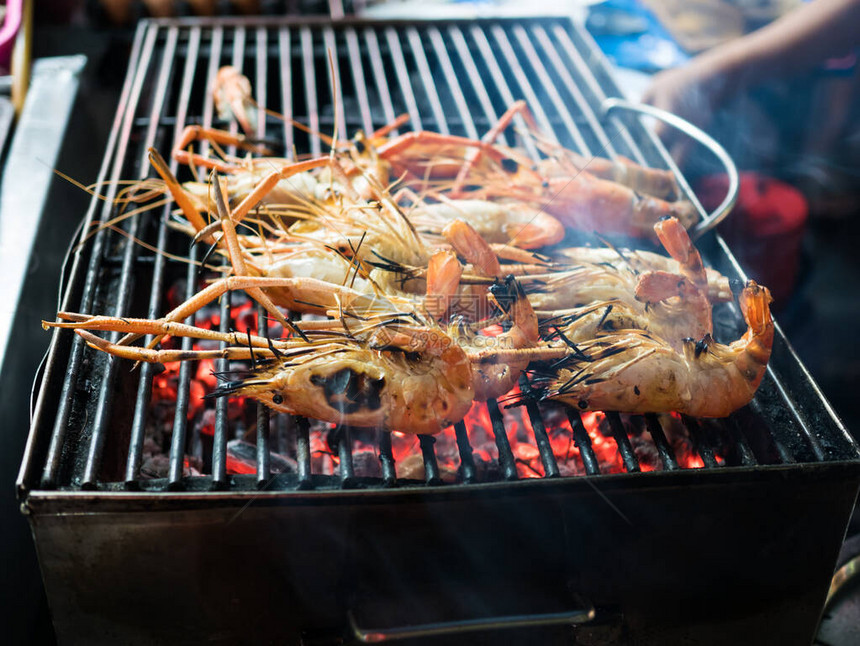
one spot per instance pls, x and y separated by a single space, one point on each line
709 221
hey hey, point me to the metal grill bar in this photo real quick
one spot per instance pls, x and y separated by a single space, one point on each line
222 429
239 37
262 90
358 80
286 68
261 86
219 442
583 442
623 442
667 455
263 459
702 448
180 419
747 457
379 76
453 83
264 467
498 77
396 53
417 67
99 433
814 444
303 452
660 156
547 457
389 474
132 472
335 86
313 120
467 460
459 41
605 143
506 456
549 88
431 466
417 51
589 81
119 139
528 91
216 44
769 396
343 435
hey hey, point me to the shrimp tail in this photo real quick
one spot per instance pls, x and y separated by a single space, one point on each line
757 343
675 239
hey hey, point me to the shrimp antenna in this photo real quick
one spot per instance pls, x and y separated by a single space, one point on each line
356 259
603 318
207 255
577 353
612 246
334 93
278 354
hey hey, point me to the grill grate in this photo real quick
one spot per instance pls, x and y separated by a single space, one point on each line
451 77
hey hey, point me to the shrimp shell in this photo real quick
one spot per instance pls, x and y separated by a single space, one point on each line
386 389
636 372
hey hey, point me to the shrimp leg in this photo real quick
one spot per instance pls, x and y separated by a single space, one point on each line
222 137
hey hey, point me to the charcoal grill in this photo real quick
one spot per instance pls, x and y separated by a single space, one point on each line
742 548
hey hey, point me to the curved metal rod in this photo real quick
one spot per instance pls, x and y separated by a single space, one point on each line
841 578
711 220
374 636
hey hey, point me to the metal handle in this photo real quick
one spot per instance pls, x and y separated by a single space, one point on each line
709 221
841 578
435 629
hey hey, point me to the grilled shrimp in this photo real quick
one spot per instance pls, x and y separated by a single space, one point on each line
638 262
511 223
295 189
388 368
636 372
621 170
674 321
365 379
371 246
392 370
634 291
582 201
583 194
232 94
375 384
498 361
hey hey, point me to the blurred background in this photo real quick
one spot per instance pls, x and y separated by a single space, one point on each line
795 229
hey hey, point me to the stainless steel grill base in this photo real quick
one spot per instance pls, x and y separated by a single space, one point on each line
663 558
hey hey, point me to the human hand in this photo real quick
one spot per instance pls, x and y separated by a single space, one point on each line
693 92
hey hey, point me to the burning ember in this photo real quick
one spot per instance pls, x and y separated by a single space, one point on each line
406 448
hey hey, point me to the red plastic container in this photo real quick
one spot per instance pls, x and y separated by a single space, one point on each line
765 230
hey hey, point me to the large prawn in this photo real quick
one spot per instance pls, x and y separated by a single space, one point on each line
636 372
601 195
373 239
358 378
392 370
583 194
633 291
